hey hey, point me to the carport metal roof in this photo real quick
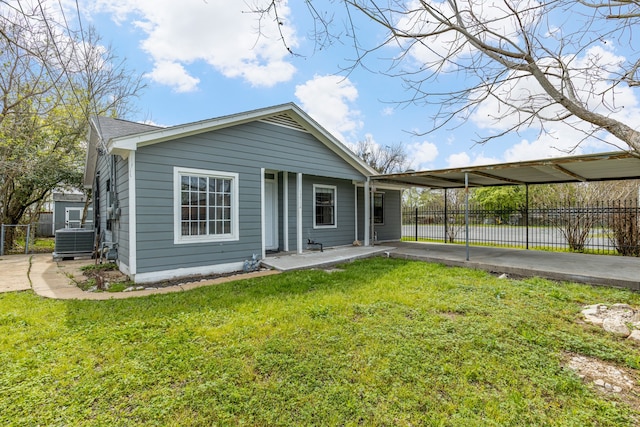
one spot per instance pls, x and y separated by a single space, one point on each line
617 165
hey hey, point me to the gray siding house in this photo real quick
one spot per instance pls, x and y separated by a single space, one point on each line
203 197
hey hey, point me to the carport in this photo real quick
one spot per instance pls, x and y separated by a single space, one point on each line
619 165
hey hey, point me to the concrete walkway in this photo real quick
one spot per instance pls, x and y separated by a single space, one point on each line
54 279
606 270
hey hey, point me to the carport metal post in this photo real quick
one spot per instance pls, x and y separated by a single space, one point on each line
466 211
526 213
446 218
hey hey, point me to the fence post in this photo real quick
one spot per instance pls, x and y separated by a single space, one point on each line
446 218
26 240
416 218
2 241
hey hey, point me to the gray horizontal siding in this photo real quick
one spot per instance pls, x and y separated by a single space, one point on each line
121 226
243 149
392 227
344 233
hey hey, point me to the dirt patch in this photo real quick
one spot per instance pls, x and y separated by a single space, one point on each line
606 378
619 382
106 276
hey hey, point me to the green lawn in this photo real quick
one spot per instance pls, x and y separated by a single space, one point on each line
384 342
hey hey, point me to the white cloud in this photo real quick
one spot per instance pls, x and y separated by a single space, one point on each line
422 154
592 76
218 33
173 74
463 159
329 100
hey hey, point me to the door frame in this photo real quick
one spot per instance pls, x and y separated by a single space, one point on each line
271 217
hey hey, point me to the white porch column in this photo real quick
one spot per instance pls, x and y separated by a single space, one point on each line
367 212
285 210
299 212
355 203
262 216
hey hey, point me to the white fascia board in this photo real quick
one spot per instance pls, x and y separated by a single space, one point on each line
132 142
125 144
333 143
382 186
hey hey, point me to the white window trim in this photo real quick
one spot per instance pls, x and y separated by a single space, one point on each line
335 206
178 238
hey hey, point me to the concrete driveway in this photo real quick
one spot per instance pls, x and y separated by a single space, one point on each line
14 272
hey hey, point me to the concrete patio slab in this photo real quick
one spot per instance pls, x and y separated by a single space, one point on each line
330 256
617 271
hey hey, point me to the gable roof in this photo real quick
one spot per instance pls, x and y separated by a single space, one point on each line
109 128
102 130
288 115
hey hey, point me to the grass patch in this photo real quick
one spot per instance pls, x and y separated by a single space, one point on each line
383 342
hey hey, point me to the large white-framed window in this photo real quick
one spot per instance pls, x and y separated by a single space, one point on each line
205 205
325 206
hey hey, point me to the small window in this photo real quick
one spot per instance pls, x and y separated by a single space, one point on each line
205 206
378 208
324 206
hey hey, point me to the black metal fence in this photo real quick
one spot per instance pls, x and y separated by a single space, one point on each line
611 227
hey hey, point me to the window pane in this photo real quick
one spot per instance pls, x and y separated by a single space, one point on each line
325 207
205 205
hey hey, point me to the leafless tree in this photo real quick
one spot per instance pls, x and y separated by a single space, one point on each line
537 61
52 79
384 159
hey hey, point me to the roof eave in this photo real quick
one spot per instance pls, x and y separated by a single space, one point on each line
124 145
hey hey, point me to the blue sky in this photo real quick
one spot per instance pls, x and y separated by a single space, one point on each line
203 58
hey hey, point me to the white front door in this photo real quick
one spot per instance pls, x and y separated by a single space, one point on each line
271 214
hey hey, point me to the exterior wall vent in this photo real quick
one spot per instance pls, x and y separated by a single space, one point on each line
284 120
